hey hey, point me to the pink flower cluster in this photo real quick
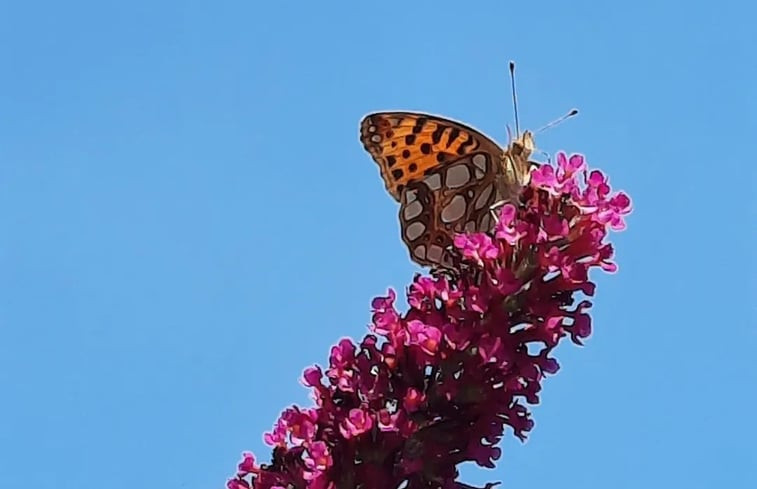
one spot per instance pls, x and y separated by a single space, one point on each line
438 385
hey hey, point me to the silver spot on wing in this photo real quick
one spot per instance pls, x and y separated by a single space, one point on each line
435 253
433 181
480 161
412 210
457 176
454 210
414 230
483 198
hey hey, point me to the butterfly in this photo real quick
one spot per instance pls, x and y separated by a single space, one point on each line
446 176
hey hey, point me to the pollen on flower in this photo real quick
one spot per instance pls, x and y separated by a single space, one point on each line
439 384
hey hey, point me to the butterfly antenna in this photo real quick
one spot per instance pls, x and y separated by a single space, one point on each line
509 134
559 120
515 98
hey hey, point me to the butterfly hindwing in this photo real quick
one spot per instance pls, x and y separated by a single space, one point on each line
407 145
451 200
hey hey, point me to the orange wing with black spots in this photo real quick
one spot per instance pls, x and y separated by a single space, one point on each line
408 145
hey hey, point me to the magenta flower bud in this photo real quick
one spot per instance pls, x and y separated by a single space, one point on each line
312 376
247 465
356 423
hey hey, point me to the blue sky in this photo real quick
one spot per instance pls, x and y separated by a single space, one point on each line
187 220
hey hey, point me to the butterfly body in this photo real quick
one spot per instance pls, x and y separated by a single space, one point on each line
445 175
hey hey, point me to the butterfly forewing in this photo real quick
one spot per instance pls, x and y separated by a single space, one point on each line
407 145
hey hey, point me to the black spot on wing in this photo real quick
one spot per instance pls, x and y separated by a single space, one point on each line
436 136
453 134
419 123
462 149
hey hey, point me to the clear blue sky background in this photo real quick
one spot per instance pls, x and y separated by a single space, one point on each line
187 220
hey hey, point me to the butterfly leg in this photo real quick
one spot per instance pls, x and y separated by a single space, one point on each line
495 207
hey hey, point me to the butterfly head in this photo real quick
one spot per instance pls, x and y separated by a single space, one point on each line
523 146
516 159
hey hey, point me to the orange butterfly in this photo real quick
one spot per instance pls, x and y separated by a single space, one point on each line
447 177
